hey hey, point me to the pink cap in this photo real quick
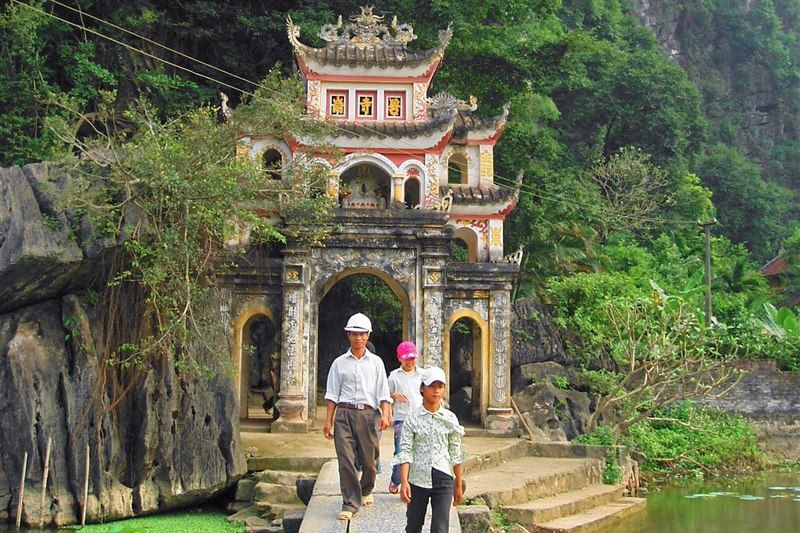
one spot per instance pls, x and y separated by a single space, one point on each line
406 351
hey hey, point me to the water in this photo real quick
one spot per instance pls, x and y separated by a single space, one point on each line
766 504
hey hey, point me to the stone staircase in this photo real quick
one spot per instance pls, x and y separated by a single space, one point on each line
549 487
266 500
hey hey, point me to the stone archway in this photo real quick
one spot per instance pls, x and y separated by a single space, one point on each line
256 361
391 318
466 349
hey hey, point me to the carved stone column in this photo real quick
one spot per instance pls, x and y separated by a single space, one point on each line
397 188
432 303
294 353
500 417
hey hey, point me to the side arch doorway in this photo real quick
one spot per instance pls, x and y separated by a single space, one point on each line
467 350
360 290
256 356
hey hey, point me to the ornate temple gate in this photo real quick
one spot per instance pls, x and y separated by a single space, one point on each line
415 171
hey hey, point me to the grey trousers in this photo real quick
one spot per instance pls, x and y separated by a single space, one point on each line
354 433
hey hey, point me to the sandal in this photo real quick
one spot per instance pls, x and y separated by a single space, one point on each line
345 515
368 500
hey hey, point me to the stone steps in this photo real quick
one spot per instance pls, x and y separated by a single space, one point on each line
284 477
265 498
277 511
276 493
601 516
482 461
528 478
562 505
291 464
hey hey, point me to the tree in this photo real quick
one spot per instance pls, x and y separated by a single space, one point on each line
750 210
171 193
665 355
634 191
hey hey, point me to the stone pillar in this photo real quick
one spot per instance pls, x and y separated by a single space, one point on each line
292 395
332 188
500 417
397 188
432 304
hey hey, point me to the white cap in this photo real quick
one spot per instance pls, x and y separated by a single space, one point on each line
433 374
359 322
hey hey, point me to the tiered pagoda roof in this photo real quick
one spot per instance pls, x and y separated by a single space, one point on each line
367 43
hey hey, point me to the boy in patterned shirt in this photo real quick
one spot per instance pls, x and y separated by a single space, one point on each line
430 458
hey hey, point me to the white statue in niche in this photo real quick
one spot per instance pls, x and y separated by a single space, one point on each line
363 191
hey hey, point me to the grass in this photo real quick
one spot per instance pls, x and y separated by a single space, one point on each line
177 522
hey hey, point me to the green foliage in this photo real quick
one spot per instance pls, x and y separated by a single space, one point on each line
612 471
683 440
686 441
378 302
25 86
602 436
175 193
501 519
560 382
750 209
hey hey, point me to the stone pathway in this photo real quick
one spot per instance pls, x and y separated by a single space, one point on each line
387 515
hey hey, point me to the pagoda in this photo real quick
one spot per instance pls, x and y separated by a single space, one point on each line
415 176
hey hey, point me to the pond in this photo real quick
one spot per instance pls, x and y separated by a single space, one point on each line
766 503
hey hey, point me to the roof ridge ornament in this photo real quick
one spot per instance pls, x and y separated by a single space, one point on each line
366 29
444 103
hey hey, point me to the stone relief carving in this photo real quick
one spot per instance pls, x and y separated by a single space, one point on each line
225 300
400 264
497 236
433 328
500 311
291 317
479 305
444 203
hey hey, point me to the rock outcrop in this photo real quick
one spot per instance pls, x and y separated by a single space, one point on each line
174 440
545 382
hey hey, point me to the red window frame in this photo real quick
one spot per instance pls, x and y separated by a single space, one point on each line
374 95
330 96
394 94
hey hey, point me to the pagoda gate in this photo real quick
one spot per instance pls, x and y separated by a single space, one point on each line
416 174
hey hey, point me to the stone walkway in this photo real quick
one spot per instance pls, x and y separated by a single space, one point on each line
387 515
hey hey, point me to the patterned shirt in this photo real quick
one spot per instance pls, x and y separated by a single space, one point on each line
430 440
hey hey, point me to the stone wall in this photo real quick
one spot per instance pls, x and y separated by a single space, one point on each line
173 441
770 398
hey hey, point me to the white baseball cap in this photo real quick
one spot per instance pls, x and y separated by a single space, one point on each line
432 374
359 322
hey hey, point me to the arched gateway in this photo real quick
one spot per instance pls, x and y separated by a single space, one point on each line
399 208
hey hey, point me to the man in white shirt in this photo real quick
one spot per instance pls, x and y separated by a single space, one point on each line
357 388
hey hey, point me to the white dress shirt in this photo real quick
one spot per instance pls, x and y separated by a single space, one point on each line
405 383
353 380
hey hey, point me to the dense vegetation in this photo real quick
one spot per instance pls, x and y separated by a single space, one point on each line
624 148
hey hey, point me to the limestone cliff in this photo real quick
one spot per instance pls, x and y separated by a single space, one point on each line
173 441
725 49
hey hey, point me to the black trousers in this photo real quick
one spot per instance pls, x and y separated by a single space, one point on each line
441 497
354 434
